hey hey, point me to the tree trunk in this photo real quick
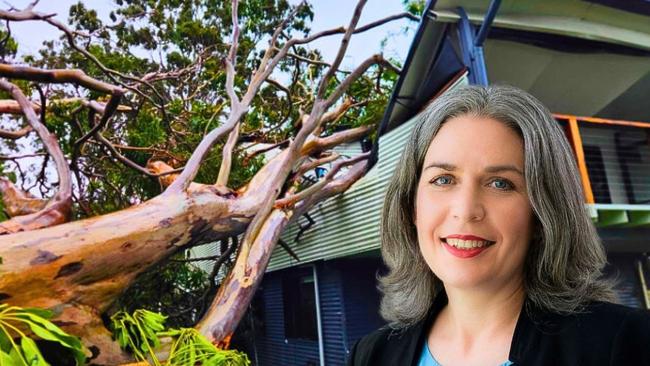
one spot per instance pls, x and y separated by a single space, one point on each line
238 288
79 268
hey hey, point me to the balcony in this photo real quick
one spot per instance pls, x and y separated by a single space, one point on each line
613 157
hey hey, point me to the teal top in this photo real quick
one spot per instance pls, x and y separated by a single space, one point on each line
426 358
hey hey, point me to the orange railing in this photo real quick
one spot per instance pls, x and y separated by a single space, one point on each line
573 134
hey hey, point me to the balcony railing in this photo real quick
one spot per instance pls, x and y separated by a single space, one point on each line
613 158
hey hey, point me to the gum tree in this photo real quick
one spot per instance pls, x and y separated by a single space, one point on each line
149 135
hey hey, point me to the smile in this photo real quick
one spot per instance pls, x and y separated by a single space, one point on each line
467 247
467 244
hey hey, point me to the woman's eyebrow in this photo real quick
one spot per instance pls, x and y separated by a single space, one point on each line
490 169
445 166
503 168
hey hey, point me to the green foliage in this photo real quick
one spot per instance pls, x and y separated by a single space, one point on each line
173 288
190 348
13 323
414 6
138 332
141 334
8 45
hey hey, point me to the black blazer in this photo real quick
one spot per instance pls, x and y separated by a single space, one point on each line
603 334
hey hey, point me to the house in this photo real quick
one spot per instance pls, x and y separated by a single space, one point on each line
587 60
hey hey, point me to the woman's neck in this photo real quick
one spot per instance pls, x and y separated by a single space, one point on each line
472 312
476 326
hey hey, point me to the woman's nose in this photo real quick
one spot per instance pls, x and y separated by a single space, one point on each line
467 205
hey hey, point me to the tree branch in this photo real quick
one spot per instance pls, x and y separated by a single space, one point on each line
222 317
342 49
305 59
17 202
15 135
29 14
58 209
107 112
12 107
226 160
304 168
387 19
2 157
58 76
318 186
237 110
354 75
317 144
126 161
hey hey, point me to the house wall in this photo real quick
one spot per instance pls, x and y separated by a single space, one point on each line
272 346
349 310
361 296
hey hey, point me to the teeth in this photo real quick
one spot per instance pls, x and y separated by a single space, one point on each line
467 244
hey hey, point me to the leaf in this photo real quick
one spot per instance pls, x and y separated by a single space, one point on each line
5 345
10 359
31 352
5 359
43 313
49 331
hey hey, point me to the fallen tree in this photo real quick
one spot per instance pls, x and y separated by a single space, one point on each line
79 268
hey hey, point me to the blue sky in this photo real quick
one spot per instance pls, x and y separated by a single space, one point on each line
328 14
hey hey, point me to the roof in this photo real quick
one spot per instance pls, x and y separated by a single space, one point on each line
549 38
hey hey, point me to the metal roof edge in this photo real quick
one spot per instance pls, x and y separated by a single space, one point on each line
565 26
426 14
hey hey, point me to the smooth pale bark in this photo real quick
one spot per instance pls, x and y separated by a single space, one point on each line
79 268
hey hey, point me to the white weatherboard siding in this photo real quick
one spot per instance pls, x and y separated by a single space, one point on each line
349 223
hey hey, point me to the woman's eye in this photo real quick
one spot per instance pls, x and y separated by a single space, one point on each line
442 180
502 184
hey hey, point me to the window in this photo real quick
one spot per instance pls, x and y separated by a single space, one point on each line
298 293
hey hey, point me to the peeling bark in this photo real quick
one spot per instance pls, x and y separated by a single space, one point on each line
87 264
17 202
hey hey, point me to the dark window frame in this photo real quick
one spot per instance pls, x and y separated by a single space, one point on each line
299 297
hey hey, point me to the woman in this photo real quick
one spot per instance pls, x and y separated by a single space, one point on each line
492 257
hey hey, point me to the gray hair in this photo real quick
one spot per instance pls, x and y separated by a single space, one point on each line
565 260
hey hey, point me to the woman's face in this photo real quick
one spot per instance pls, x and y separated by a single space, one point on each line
473 216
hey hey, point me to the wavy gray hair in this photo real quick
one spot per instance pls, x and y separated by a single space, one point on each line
563 269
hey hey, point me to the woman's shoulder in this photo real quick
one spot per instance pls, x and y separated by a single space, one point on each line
599 314
605 320
615 315
385 346
623 330
601 333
